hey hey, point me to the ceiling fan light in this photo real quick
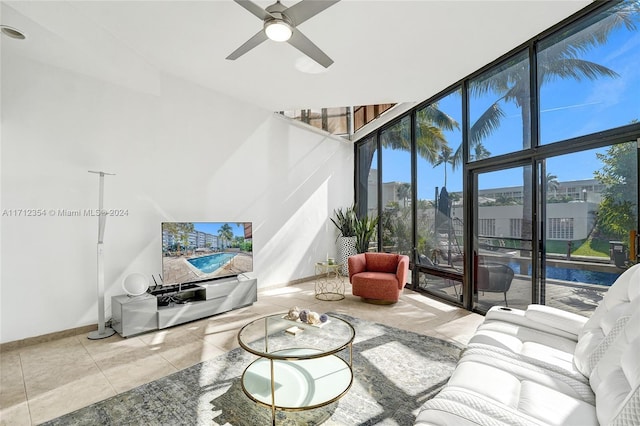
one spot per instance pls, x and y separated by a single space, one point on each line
278 30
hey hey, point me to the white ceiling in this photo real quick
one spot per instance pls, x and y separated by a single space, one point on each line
384 51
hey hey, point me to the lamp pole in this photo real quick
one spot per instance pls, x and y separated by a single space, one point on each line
102 331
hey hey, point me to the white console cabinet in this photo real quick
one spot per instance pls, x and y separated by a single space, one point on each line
139 314
134 314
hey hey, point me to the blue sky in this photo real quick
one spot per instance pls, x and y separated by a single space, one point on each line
213 227
569 108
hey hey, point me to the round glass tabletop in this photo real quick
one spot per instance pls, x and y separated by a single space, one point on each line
274 336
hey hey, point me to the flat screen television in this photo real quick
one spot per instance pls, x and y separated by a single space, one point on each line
201 251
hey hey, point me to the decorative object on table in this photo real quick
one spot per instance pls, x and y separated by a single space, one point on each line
378 277
345 220
294 314
295 330
306 316
102 331
135 284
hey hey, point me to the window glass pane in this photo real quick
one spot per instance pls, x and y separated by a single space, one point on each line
439 184
367 189
502 260
499 110
589 78
396 219
591 209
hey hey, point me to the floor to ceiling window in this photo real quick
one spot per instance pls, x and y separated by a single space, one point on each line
439 212
367 183
396 222
519 184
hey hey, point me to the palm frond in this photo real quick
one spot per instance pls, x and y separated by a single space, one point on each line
577 69
429 142
486 124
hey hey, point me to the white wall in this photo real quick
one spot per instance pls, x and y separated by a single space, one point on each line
180 152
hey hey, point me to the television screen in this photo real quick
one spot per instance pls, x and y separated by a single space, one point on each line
199 251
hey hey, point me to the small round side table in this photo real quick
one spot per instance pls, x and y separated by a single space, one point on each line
329 282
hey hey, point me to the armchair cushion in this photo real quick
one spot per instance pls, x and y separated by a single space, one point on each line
381 262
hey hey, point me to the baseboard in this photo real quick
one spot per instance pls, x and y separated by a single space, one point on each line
30 341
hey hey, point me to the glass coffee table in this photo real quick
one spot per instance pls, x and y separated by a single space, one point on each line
298 371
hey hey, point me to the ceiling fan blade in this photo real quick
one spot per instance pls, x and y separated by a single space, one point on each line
254 9
306 9
306 46
248 45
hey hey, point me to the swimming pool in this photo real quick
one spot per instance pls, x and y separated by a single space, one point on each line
574 275
210 263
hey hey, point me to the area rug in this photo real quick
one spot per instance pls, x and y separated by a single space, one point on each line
395 372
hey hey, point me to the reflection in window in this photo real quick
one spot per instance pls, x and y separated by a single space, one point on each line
588 77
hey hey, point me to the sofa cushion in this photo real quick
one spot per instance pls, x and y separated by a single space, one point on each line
616 377
375 285
605 318
527 343
490 395
382 262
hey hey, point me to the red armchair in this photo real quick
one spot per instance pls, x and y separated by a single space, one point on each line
378 277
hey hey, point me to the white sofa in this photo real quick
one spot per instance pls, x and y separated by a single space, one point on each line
544 366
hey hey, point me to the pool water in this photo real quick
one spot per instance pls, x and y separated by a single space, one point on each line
208 264
575 275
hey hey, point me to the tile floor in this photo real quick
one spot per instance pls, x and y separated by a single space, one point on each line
43 381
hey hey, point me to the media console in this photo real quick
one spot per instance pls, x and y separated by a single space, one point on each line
176 304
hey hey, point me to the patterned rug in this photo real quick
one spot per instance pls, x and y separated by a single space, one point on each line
395 371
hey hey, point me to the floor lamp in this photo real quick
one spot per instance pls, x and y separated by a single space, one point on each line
102 331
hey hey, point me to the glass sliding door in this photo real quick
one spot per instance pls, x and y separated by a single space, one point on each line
502 246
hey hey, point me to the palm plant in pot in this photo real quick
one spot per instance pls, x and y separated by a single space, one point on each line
355 234
365 228
345 220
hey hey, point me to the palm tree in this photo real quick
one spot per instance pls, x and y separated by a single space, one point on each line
430 140
431 123
552 183
560 60
225 233
404 192
505 200
480 152
445 157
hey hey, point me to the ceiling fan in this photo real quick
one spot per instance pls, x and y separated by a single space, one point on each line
279 24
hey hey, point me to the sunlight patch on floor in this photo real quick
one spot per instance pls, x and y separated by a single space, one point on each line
280 291
422 300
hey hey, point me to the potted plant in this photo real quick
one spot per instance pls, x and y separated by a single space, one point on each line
345 220
365 228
